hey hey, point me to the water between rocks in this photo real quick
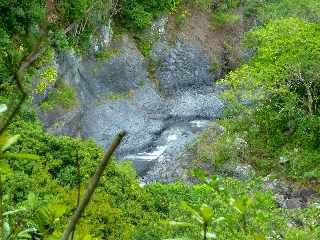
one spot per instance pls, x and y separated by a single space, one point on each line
159 163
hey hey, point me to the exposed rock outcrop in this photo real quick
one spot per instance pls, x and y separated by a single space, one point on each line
119 91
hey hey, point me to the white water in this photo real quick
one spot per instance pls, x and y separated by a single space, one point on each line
148 156
167 147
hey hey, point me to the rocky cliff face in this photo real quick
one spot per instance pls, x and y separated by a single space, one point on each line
146 96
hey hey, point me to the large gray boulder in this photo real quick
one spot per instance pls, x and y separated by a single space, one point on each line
183 66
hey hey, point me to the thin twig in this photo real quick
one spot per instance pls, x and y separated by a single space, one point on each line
78 186
92 186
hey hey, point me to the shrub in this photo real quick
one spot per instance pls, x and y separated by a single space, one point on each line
139 14
63 96
222 19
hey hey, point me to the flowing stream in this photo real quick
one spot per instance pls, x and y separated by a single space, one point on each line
159 163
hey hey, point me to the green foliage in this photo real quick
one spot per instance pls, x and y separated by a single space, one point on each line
222 19
144 44
63 96
20 17
181 17
89 14
49 180
47 78
45 187
278 90
277 94
107 54
304 9
202 4
222 12
138 14
247 212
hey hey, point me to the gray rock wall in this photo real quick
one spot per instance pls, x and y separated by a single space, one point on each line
181 67
119 93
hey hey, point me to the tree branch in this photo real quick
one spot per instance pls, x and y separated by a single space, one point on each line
92 185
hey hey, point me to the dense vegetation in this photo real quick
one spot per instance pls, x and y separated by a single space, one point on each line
278 93
43 192
274 107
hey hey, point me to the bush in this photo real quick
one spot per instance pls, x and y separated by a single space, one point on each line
223 19
305 9
276 92
139 14
63 96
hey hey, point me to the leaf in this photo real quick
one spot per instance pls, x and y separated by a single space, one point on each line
14 212
6 230
259 237
198 217
23 156
3 108
87 237
43 216
179 224
211 235
220 219
185 206
32 200
4 167
9 142
3 139
206 213
243 204
26 233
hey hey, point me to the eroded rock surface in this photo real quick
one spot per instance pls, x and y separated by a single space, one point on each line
121 91
118 93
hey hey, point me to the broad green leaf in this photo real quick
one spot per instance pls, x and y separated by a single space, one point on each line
54 236
195 214
206 213
13 212
44 216
198 217
220 219
10 141
3 140
26 234
198 173
6 230
4 167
